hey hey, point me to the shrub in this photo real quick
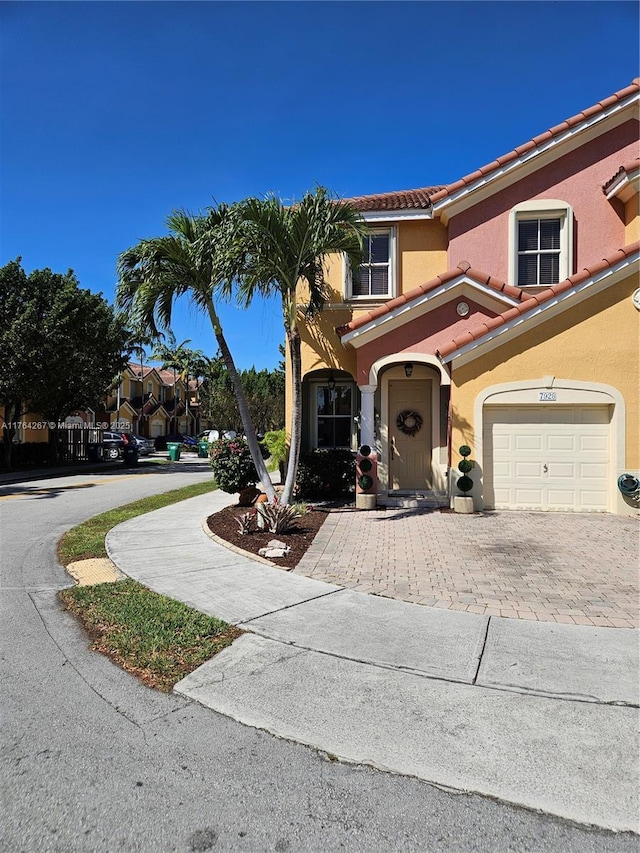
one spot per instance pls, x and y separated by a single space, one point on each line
327 474
275 442
232 465
278 518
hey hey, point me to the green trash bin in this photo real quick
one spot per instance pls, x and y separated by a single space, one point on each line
174 451
130 456
203 449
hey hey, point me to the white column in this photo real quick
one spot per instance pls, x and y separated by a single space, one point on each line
367 421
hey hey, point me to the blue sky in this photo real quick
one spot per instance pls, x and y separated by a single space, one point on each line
115 113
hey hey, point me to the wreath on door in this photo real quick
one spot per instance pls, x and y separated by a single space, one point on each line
409 422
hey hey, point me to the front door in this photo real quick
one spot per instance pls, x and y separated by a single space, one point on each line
409 435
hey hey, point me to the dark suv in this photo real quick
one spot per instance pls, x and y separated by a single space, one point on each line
113 444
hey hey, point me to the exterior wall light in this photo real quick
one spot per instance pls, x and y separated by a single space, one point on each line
331 382
408 369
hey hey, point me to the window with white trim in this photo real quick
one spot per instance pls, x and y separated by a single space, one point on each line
333 414
540 243
376 276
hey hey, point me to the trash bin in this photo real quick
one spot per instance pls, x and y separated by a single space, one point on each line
174 451
130 456
203 449
94 452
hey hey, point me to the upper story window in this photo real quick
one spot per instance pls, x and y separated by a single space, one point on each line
376 276
149 387
540 243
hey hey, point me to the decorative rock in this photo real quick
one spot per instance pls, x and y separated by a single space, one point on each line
274 552
276 543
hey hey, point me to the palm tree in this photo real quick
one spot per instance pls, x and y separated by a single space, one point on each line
173 355
282 248
139 339
187 261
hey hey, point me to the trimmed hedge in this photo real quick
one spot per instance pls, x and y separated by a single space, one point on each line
326 474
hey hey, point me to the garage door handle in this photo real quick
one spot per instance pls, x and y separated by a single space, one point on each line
545 468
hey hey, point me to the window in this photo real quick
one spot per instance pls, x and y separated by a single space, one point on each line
538 251
540 243
333 415
376 276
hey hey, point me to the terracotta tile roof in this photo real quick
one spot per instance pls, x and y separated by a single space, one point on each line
463 269
400 200
134 367
423 198
532 302
627 168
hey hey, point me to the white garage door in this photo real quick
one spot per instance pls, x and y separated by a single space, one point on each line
547 457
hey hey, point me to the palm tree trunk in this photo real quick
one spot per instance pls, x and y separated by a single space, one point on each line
252 438
293 339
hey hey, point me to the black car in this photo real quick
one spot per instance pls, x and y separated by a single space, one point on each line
113 445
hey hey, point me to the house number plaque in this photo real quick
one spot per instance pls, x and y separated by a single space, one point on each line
547 396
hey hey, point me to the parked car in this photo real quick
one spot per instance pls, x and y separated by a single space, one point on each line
145 445
175 437
113 444
214 434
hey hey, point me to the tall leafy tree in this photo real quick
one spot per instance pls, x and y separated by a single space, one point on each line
60 346
264 392
284 251
187 262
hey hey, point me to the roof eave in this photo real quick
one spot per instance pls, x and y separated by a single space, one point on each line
549 308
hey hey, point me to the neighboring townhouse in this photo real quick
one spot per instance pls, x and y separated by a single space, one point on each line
503 312
149 401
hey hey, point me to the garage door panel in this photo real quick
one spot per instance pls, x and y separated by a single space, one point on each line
562 470
503 470
527 443
593 471
527 498
547 457
558 443
593 444
527 469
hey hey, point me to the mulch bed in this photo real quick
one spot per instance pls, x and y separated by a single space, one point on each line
224 525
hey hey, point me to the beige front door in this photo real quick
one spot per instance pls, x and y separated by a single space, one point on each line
409 455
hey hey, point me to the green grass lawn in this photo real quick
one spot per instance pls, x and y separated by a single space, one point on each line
154 637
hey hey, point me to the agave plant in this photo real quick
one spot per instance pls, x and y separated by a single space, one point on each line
246 522
278 518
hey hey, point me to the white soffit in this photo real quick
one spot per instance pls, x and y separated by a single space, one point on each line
423 304
549 309
626 186
401 215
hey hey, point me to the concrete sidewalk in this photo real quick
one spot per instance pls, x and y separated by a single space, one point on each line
538 714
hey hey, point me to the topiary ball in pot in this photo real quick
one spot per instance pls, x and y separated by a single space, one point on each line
465 484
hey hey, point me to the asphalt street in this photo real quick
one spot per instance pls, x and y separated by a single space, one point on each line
93 761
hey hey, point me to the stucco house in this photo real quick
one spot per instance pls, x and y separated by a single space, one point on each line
501 311
150 401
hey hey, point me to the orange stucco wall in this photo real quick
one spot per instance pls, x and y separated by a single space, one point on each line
632 218
595 341
421 255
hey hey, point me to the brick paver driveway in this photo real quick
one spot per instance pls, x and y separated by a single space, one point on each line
555 567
